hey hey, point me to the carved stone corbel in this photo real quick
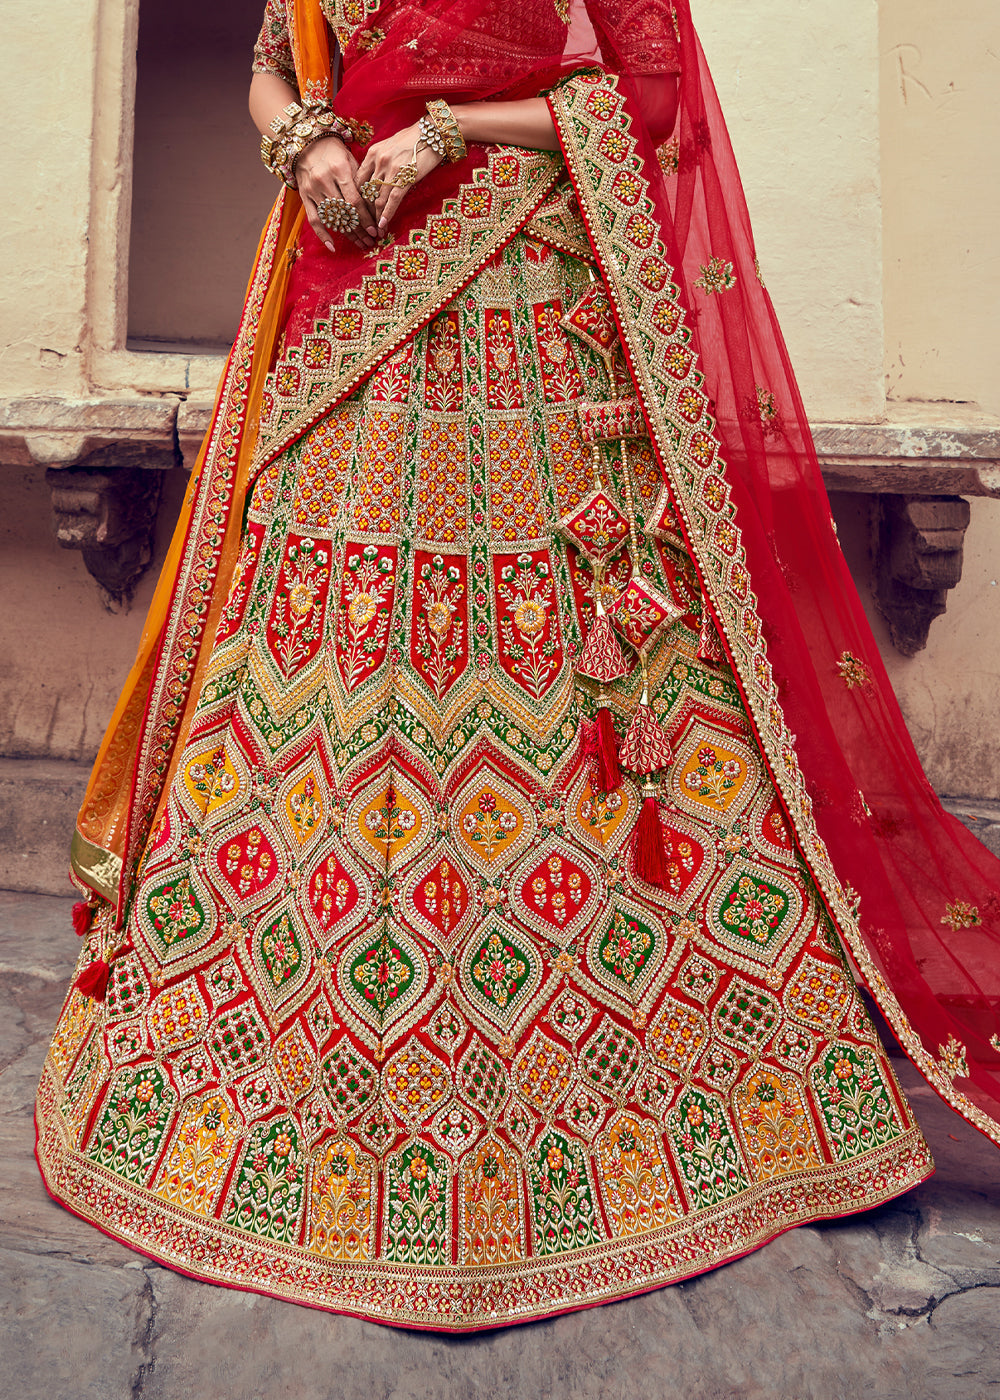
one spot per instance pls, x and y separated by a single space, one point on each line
110 517
918 559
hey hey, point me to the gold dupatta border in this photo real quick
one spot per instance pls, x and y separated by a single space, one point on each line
650 319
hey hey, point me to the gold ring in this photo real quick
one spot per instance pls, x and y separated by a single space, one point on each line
370 189
406 176
337 215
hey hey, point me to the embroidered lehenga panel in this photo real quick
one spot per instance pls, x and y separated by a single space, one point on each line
401 1032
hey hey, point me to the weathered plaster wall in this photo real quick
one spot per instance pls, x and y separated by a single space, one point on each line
45 171
63 657
941 199
798 83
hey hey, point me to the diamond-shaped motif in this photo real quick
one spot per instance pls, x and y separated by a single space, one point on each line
382 973
238 1039
176 915
295 1062
676 1036
128 989
543 1073
178 1016
597 527
501 972
714 775
746 1016
556 895
438 897
626 952
347 1079
819 994
641 613
415 1082
336 897
280 956
611 1057
754 911
482 1079
246 866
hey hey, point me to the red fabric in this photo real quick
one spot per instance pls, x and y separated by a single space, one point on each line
928 890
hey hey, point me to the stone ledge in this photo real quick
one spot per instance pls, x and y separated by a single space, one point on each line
923 449
96 433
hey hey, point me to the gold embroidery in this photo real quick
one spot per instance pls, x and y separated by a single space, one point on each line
952 1058
961 915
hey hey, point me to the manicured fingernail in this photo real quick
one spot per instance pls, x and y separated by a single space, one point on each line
372 231
329 247
381 225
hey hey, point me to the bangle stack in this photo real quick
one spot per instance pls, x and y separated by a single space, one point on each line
298 126
446 137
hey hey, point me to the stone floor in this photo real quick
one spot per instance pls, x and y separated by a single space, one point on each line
903 1301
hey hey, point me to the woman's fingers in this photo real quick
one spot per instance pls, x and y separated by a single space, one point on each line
350 190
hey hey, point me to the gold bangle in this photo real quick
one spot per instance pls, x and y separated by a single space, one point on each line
445 121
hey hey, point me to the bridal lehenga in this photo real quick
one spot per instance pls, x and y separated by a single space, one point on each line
507 797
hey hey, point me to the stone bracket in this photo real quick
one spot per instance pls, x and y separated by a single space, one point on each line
918 558
110 517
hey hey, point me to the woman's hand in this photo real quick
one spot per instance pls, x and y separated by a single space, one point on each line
326 169
382 165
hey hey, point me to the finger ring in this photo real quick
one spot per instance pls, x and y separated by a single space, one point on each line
370 189
406 175
337 215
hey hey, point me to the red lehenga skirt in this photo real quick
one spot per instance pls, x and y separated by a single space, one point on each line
397 1026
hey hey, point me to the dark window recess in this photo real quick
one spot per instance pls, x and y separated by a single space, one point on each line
200 194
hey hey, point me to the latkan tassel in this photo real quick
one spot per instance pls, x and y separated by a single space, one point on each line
602 658
83 917
646 748
93 980
609 774
649 855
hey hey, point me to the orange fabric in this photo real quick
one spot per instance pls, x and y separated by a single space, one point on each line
103 817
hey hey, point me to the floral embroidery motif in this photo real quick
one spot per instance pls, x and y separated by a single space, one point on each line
952 1057
500 970
531 647
853 671
717 275
961 915
440 628
713 777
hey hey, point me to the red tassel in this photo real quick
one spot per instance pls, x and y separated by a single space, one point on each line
649 856
609 775
93 980
83 917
